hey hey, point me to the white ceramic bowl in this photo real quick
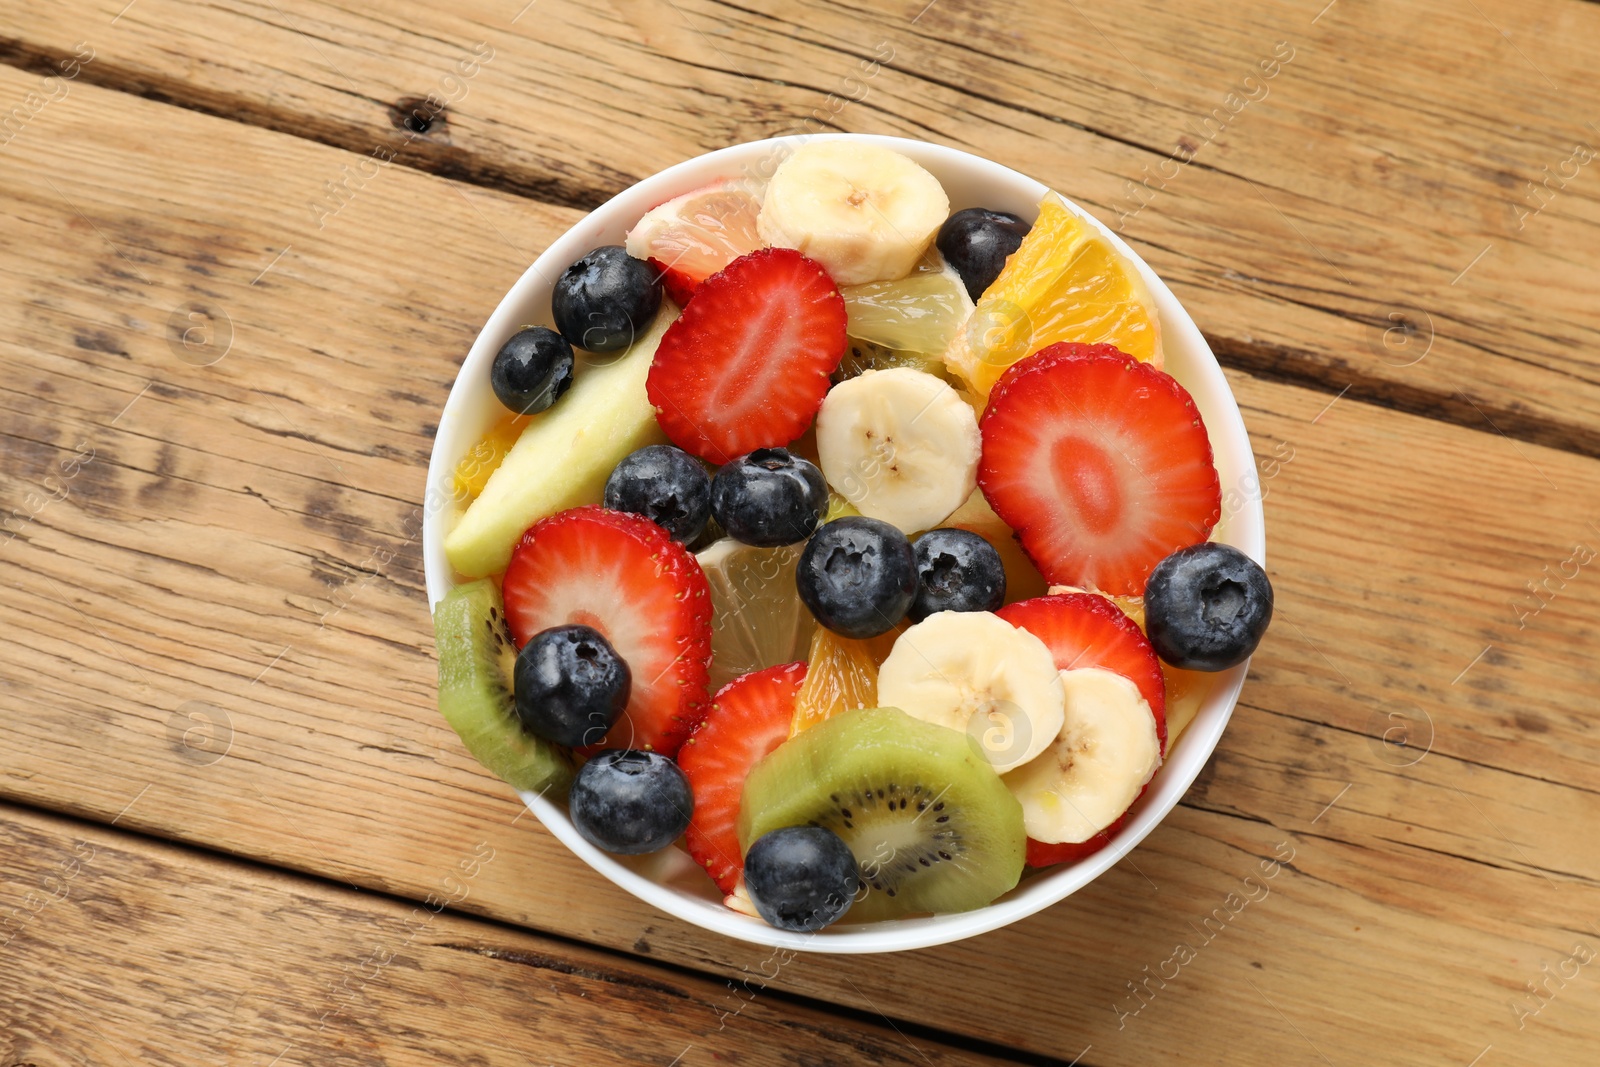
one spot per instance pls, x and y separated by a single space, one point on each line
670 880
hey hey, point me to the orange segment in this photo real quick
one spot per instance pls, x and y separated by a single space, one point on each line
472 473
842 675
1066 283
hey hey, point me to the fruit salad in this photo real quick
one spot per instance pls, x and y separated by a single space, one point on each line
858 547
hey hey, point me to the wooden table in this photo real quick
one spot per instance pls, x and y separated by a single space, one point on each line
242 254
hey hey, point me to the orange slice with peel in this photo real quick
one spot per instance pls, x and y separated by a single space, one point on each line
1065 283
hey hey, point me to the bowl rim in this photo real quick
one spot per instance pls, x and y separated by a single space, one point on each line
1245 529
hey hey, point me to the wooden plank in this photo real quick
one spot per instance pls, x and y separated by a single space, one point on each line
123 950
221 623
1365 217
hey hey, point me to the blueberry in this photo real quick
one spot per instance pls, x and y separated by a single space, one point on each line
630 802
956 571
801 877
667 486
532 370
858 576
570 685
606 299
976 243
769 497
1207 606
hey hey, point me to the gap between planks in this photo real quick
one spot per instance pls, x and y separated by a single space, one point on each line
1271 362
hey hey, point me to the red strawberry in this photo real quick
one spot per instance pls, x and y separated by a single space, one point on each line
679 285
1040 854
1086 630
746 365
1100 463
749 717
624 576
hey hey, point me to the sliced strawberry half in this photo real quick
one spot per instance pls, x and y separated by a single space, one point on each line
746 365
1087 630
749 717
679 285
626 577
1100 463
1041 854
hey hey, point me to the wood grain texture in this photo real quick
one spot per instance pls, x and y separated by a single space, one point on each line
138 952
1397 210
219 621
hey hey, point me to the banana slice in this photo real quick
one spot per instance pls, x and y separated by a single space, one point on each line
1106 752
1186 690
900 445
867 214
974 672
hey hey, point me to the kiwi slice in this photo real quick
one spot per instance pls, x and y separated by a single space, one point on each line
861 356
476 655
931 825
